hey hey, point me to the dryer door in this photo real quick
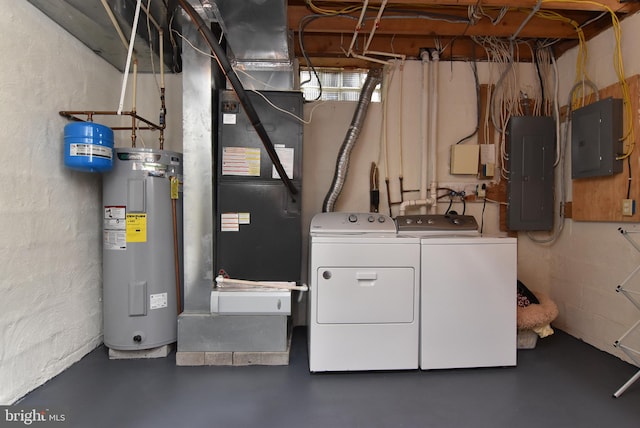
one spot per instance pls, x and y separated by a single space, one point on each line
365 295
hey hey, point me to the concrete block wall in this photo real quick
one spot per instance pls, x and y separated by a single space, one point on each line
582 269
51 234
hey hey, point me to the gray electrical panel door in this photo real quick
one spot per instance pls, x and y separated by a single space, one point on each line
596 139
258 224
531 144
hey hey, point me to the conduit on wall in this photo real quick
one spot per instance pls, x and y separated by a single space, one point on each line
433 128
430 115
374 77
424 128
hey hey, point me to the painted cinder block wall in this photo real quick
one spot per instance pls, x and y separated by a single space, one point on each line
50 244
51 234
582 269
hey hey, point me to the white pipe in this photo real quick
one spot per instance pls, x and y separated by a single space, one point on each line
161 35
424 114
134 30
135 85
433 126
148 13
426 126
416 203
356 32
376 24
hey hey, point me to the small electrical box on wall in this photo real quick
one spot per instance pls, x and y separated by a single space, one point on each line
596 139
464 159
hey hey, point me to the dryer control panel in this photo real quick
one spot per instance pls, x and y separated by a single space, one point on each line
344 222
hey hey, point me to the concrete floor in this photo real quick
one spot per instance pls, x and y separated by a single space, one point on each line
563 382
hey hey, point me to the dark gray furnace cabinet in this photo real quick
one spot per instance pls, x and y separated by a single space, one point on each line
258 230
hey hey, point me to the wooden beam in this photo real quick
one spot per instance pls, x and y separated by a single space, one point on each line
615 5
536 28
334 46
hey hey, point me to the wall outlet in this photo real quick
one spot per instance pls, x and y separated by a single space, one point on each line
628 207
481 190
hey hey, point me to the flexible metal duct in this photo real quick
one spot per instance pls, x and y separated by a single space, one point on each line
342 165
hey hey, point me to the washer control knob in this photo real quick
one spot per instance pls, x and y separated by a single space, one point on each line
381 219
326 274
431 221
419 221
352 218
456 221
370 219
408 221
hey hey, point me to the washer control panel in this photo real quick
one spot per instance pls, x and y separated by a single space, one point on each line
433 223
339 222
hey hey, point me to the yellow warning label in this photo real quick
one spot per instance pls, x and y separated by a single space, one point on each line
174 187
136 228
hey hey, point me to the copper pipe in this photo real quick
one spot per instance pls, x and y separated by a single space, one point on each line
71 115
133 130
176 255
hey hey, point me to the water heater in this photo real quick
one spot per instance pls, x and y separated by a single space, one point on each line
142 227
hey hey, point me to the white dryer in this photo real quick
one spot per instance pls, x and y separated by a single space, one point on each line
468 293
363 295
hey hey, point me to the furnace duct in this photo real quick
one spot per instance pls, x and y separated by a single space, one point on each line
228 71
374 77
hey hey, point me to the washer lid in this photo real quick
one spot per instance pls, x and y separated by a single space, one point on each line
352 223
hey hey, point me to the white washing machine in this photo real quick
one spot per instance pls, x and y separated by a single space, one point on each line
468 293
364 294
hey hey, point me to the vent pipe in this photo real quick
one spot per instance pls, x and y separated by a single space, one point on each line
342 165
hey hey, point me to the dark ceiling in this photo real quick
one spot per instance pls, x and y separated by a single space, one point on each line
457 28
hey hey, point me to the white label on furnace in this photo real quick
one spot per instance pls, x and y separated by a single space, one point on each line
229 222
157 301
286 159
243 161
228 119
244 218
90 150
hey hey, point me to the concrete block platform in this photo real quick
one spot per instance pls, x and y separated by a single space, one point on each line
236 358
159 352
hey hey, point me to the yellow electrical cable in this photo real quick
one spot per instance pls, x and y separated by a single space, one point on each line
330 12
619 69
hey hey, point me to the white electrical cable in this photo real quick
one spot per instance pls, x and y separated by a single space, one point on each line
556 109
129 54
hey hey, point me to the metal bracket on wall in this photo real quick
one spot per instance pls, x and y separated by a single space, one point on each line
632 353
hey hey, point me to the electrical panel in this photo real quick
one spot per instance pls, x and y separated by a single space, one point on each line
596 139
531 148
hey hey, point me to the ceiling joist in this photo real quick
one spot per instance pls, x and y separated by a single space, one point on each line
408 27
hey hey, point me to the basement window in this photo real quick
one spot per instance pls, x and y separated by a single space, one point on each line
337 84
